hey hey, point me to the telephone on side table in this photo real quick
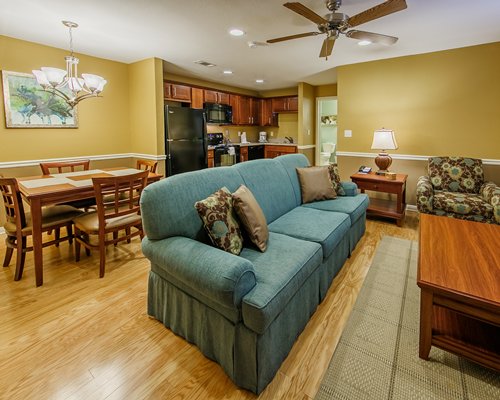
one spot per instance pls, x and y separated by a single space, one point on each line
364 170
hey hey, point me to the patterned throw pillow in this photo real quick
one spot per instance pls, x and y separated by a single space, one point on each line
333 170
217 214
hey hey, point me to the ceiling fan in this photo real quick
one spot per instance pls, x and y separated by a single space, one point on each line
336 23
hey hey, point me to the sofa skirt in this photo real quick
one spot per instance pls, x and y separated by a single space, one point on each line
356 232
250 360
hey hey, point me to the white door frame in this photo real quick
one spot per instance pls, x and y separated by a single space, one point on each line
318 125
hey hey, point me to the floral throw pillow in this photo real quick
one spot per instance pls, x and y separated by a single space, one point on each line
333 170
217 214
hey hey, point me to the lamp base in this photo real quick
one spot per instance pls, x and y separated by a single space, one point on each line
383 162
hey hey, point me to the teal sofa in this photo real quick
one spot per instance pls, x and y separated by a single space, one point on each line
245 312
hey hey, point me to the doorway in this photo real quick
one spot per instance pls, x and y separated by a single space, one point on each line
326 130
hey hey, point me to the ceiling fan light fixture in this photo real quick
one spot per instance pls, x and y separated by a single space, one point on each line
364 43
236 32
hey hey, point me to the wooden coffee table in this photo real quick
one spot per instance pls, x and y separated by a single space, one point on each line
459 278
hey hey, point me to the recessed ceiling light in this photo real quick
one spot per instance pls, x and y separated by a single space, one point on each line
364 42
227 72
236 32
259 81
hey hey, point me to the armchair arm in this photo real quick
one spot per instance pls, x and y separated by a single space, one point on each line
424 194
212 273
350 188
491 194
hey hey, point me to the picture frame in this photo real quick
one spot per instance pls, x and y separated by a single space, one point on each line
27 105
329 120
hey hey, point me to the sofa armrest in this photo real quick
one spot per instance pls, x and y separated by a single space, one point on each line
350 188
490 193
424 194
214 273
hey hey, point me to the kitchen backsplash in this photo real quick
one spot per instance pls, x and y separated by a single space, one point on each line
288 125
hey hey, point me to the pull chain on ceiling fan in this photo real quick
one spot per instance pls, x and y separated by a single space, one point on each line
335 23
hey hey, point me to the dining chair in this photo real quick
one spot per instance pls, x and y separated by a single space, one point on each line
147 165
59 167
18 224
118 209
64 166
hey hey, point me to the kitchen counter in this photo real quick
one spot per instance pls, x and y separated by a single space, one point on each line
258 143
249 144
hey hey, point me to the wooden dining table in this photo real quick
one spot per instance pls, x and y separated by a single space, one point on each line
44 190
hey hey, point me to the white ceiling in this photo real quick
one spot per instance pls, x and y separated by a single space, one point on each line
182 31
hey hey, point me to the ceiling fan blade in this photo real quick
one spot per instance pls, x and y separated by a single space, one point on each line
299 35
327 47
381 10
372 37
305 12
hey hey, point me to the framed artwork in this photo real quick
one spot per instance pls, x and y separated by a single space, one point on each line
27 105
329 119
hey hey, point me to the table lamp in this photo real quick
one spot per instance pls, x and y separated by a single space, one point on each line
383 139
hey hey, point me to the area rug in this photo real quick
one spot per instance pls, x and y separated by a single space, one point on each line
377 355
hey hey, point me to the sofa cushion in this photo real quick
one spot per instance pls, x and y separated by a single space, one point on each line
326 229
280 272
270 185
251 217
462 203
354 206
219 220
167 206
456 174
315 184
333 170
291 162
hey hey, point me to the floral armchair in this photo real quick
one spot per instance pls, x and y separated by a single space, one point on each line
455 187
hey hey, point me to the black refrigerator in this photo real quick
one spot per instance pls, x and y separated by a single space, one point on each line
185 143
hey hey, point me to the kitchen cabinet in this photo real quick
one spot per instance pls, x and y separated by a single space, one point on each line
272 151
245 110
254 111
197 98
212 96
210 159
285 104
243 153
266 115
173 91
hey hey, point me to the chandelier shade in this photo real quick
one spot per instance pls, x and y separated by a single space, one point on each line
54 80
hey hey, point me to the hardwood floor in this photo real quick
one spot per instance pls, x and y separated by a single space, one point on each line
81 337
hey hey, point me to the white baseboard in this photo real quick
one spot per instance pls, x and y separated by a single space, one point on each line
31 163
411 208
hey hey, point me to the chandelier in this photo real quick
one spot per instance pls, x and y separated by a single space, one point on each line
65 83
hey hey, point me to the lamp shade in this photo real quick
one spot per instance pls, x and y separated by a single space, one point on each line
384 139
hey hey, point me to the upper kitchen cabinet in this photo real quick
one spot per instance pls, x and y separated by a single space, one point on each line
285 104
174 91
212 96
197 98
245 110
266 115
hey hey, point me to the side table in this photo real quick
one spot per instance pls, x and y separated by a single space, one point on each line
379 183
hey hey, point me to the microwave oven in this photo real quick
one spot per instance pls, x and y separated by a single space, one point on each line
218 113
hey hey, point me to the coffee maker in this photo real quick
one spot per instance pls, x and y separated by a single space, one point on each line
262 137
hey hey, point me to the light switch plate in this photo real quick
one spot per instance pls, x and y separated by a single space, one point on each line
347 133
